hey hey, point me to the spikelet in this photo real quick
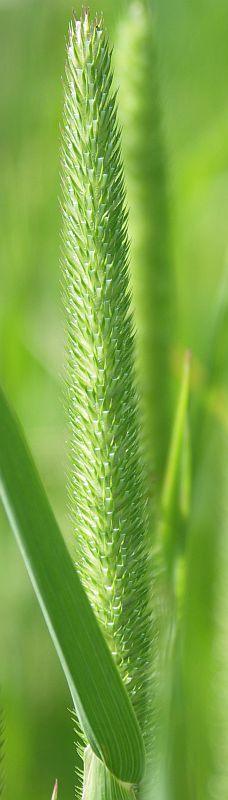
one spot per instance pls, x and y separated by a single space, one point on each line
107 487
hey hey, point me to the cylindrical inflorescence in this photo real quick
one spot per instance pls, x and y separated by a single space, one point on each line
106 485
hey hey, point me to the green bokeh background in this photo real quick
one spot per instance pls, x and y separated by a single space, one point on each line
193 63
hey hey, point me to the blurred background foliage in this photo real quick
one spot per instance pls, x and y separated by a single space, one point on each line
193 74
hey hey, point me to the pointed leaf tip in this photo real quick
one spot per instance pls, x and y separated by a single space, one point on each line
55 791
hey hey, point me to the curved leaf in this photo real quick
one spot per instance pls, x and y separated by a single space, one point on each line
100 699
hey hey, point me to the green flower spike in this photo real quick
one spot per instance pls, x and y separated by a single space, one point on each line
106 485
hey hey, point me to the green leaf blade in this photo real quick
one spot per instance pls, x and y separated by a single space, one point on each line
100 699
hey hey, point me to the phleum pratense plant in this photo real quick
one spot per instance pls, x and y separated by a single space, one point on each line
107 495
133 613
